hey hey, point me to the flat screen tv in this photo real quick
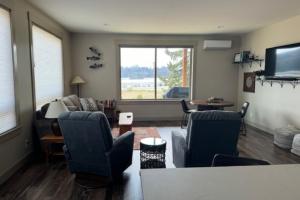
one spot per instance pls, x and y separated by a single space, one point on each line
283 62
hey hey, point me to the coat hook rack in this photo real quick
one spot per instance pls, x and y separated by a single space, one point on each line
293 83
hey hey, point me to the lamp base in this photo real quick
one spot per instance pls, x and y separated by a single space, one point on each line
55 128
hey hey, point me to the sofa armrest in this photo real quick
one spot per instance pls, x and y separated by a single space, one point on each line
121 153
100 106
179 147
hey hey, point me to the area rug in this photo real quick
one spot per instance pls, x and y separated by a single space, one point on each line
139 133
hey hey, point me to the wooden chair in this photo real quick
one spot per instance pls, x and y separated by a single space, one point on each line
243 113
186 113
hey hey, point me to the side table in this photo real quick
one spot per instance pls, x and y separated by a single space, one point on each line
49 139
153 153
125 122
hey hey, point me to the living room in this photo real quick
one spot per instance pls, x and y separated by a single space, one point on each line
226 52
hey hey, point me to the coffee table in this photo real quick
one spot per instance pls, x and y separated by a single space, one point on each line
153 153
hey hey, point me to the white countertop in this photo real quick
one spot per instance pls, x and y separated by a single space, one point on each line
274 182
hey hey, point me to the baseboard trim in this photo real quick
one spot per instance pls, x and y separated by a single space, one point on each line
18 165
258 129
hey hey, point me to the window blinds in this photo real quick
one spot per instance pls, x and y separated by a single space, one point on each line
7 100
48 66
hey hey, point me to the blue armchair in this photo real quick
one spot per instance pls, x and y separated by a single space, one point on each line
89 146
208 133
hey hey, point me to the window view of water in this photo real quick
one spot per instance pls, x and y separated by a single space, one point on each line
141 79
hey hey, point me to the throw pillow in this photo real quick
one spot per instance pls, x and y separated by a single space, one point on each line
89 104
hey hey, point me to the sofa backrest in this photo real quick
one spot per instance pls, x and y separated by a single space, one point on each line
72 102
210 133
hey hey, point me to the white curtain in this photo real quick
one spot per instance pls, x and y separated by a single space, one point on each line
48 66
7 91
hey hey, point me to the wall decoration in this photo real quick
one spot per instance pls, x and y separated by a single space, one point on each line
249 82
237 58
95 58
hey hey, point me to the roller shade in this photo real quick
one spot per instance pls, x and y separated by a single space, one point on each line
48 66
7 89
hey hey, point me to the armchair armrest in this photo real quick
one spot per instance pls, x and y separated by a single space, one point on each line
179 147
121 153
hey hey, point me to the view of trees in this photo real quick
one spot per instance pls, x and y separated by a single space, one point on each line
138 72
178 69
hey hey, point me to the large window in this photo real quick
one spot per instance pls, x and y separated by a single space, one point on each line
152 73
48 66
8 119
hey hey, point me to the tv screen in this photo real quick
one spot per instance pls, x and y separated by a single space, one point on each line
283 61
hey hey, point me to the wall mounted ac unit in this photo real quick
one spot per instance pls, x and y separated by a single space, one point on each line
217 44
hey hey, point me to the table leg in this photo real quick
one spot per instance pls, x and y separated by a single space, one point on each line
46 150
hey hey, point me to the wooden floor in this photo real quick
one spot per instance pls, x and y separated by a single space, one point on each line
39 181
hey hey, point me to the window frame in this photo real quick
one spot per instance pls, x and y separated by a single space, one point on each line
157 44
31 23
10 132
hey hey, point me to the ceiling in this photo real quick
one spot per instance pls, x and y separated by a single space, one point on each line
167 16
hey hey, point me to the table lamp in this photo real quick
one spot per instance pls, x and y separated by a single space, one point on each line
77 80
55 109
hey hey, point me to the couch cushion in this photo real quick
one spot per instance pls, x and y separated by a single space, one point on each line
89 104
71 101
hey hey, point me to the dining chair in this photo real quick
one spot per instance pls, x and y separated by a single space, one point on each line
186 112
243 113
222 160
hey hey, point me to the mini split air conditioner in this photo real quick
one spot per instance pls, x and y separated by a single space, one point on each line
217 44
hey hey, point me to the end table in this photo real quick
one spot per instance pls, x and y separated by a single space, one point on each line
49 139
152 153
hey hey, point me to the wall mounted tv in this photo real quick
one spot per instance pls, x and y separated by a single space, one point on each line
283 62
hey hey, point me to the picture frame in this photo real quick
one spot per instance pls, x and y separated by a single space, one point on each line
249 82
237 58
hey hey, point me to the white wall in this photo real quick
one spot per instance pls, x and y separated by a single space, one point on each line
271 107
12 146
214 72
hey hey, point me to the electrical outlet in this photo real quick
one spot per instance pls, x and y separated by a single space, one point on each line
27 143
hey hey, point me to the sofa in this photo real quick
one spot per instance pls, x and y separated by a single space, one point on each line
74 103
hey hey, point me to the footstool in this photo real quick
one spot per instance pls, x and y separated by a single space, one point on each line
296 145
283 137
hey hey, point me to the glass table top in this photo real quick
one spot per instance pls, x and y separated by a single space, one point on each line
153 141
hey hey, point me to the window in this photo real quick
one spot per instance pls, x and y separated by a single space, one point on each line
8 119
48 66
155 73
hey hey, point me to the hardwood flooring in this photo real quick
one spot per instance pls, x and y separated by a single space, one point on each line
38 181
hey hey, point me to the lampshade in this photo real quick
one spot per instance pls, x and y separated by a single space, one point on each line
55 109
77 80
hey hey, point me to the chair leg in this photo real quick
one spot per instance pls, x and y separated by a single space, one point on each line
243 127
182 120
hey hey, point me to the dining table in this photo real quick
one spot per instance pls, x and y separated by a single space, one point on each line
204 104
268 182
